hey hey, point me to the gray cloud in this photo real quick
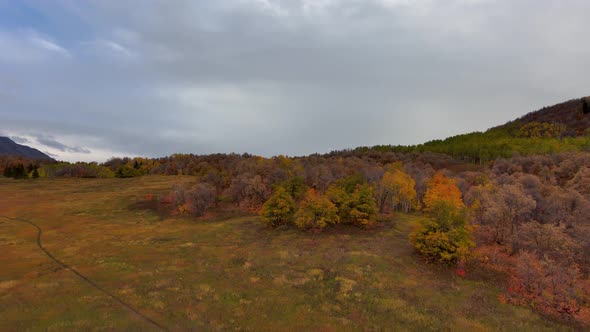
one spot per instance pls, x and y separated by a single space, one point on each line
20 140
292 77
51 142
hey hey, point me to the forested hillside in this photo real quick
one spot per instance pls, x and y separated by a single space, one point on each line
559 128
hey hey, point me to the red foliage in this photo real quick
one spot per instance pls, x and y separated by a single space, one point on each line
461 272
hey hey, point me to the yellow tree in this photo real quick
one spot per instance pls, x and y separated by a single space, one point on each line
442 189
279 208
445 236
398 189
316 211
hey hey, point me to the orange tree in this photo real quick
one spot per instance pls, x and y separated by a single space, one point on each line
441 188
445 236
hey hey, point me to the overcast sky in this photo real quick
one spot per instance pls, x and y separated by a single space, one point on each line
87 80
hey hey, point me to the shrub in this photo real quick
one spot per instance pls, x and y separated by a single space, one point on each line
199 198
194 200
126 171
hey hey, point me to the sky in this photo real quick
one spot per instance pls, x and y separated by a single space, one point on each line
89 80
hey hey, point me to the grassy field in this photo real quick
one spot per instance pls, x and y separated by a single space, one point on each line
225 273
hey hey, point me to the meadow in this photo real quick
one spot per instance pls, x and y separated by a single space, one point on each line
226 271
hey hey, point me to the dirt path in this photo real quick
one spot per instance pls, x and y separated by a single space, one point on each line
84 278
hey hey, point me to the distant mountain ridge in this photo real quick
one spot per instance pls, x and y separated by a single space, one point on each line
9 147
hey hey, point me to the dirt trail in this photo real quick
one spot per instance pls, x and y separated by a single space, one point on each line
84 278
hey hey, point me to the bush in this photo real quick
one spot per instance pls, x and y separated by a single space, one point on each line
126 171
194 200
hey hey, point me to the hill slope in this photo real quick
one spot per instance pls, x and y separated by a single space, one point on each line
563 127
9 147
573 114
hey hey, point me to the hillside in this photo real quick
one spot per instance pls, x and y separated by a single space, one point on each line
9 147
573 114
560 128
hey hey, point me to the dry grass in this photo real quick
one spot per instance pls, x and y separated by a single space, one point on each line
220 273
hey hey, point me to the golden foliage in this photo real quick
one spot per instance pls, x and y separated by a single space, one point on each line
441 188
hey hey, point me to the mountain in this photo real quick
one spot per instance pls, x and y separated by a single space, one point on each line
9 147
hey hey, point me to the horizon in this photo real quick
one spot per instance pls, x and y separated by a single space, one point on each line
101 79
37 143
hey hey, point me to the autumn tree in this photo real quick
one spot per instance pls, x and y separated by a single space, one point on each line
354 200
295 186
441 188
546 284
194 199
504 209
547 240
397 190
361 206
279 208
339 193
445 236
200 198
253 190
316 211
318 177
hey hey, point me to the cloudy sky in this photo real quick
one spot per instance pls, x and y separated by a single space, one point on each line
87 80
